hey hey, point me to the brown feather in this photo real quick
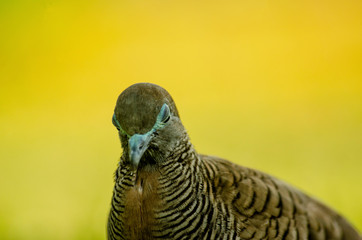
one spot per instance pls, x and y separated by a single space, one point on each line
140 202
261 197
175 193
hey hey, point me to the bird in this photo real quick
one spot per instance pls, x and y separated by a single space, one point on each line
165 189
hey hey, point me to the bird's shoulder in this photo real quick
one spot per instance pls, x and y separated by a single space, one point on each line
260 200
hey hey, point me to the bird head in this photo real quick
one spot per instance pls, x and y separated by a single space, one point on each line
148 124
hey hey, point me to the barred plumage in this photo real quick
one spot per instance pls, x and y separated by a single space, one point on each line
164 189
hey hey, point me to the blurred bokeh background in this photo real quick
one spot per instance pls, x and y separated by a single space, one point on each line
273 85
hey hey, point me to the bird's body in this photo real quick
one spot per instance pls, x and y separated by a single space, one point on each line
168 191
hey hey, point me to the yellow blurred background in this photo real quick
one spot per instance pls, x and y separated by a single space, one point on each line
273 85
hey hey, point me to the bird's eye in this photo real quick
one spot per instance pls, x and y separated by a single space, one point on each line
164 114
166 120
118 126
115 122
162 118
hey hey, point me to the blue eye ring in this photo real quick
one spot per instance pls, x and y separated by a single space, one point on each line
118 125
163 117
115 122
164 114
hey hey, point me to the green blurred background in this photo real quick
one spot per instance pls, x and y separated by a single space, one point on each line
273 85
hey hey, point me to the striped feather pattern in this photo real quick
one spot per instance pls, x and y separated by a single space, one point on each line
191 196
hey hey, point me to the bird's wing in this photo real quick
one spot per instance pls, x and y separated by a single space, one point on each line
269 208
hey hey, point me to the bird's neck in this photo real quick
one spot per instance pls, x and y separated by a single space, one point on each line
144 199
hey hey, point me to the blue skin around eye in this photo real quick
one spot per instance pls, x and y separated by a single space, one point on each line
115 122
161 117
138 143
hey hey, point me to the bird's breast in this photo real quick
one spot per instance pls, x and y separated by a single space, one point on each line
141 201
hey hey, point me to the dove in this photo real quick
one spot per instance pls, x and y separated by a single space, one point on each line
165 189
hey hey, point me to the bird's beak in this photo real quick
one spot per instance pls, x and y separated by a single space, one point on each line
138 144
